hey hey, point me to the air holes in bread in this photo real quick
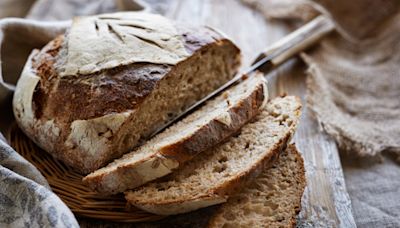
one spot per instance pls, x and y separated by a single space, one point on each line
125 141
236 135
155 72
161 187
219 168
229 216
247 145
223 159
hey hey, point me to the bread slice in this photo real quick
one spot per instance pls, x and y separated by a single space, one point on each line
214 122
215 174
273 199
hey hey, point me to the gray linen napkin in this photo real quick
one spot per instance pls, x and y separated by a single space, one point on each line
26 199
354 91
25 196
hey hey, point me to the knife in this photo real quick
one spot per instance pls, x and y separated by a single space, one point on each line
278 53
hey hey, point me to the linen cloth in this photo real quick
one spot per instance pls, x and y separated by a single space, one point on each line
353 88
354 92
373 187
26 199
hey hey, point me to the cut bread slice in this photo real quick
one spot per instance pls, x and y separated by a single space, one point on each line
273 199
215 174
217 120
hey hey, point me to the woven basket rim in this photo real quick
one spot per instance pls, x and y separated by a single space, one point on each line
67 184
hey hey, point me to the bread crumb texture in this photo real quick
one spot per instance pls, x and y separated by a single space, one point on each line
196 133
273 199
215 171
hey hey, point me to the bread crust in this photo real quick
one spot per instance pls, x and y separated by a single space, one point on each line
303 182
87 140
216 131
184 205
171 156
219 194
167 207
213 222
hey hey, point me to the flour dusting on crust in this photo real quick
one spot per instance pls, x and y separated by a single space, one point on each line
109 40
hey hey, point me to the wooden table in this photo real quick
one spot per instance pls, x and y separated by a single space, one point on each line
325 201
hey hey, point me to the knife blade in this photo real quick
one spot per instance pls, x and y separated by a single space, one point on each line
278 53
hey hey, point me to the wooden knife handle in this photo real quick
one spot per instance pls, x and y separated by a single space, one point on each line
297 41
278 53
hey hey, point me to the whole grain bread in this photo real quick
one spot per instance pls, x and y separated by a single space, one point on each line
273 199
202 130
106 108
212 176
283 183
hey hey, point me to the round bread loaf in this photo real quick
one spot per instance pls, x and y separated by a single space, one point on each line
95 92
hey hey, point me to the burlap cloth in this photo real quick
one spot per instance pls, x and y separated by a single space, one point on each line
25 197
354 83
353 90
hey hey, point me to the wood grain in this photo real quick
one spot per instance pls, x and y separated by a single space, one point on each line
326 202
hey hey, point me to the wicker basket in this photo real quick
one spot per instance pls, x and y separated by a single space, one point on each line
67 184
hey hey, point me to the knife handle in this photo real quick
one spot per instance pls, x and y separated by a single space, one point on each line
296 42
278 53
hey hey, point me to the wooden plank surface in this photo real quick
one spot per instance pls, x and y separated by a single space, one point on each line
325 202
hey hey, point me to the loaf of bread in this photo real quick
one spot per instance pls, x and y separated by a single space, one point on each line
215 121
212 176
97 91
273 199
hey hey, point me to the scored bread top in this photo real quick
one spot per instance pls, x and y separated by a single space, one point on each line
213 175
105 92
273 199
215 121
87 120
106 41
